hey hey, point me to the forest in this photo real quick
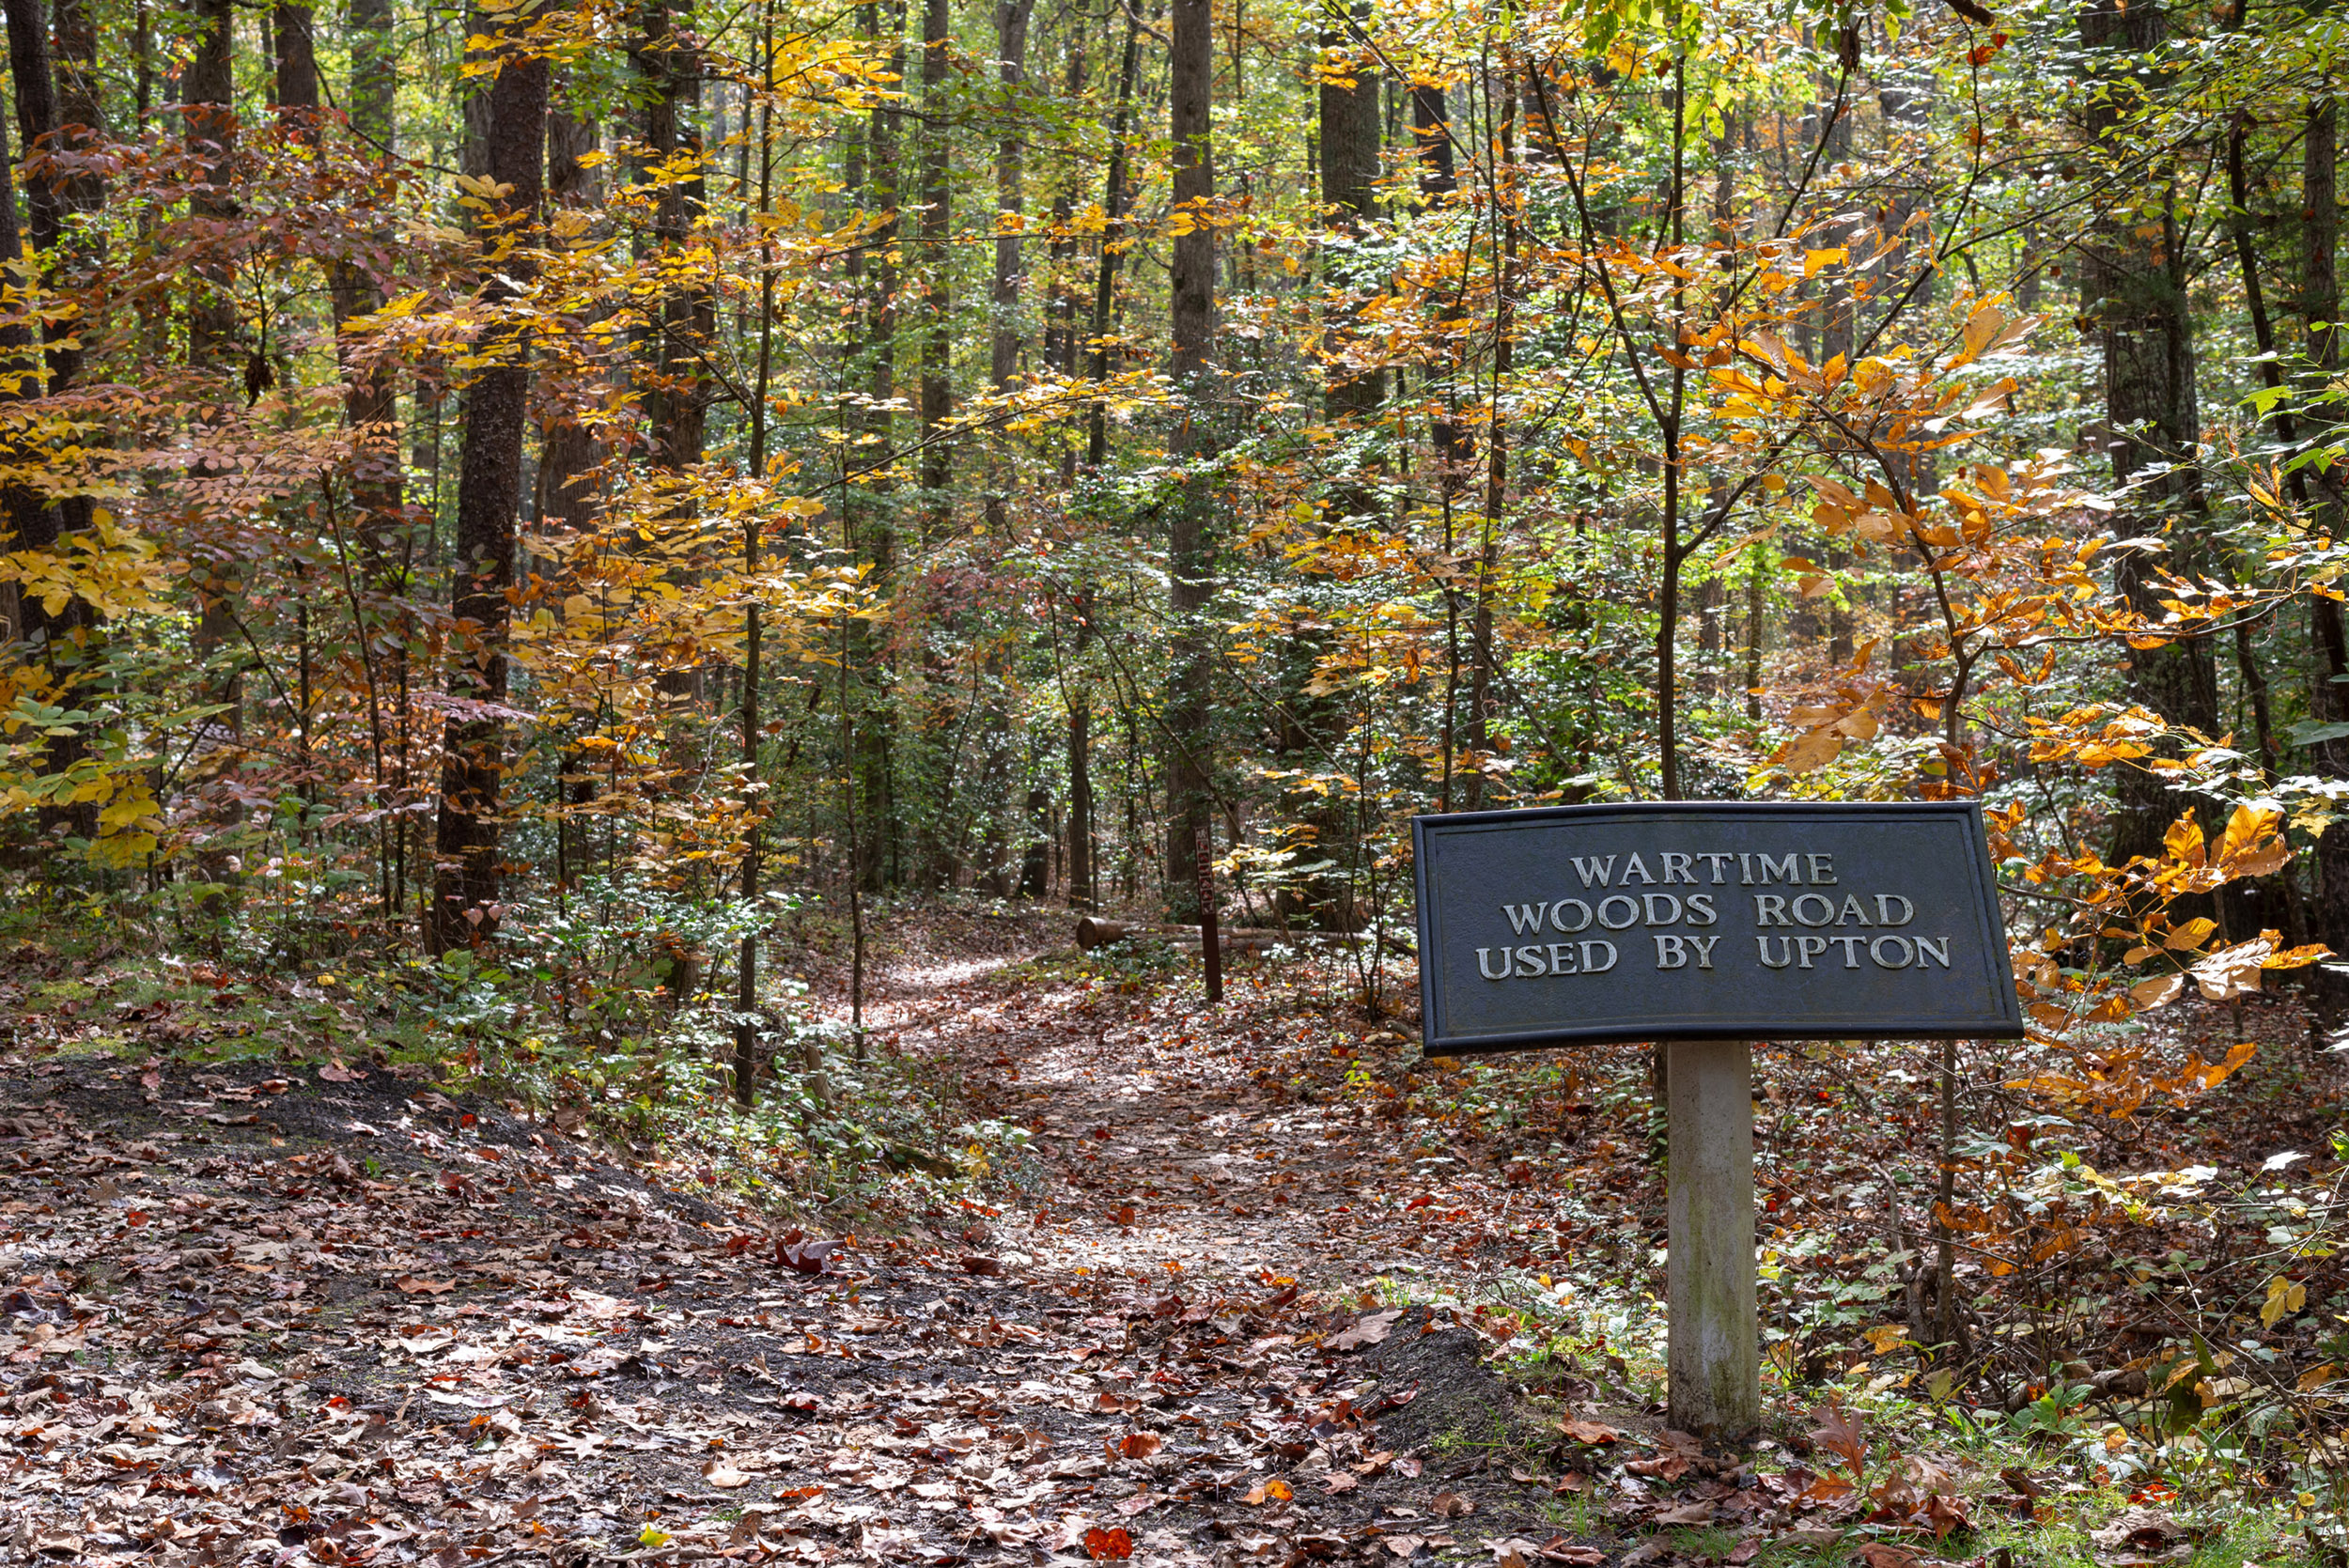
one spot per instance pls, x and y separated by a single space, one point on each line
591 592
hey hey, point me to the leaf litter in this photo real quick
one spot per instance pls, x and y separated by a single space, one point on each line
336 1316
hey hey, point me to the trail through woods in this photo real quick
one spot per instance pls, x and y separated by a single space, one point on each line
263 1313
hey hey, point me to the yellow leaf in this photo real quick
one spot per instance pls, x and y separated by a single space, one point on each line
1813 260
2186 938
2150 994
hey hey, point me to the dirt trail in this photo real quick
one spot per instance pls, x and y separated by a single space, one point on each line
268 1317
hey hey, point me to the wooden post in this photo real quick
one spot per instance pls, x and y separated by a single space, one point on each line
1210 948
1715 1354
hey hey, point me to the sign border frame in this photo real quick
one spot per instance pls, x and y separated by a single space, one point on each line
2008 1025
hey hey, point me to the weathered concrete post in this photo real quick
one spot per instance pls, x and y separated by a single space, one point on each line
1715 1355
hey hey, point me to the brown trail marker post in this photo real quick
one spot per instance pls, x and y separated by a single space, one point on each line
1710 925
1210 948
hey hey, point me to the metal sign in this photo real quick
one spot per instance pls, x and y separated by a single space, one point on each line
1709 921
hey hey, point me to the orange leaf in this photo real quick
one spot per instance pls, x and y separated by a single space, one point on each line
1108 1545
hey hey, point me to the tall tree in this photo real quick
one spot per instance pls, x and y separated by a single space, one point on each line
1011 60
1191 562
297 63
937 387
488 497
2137 269
875 735
1350 144
1113 246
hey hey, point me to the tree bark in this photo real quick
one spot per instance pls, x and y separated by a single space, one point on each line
1190 554
297 63
1113 254
2139 309
488 496
1011 55
937 392
1350 144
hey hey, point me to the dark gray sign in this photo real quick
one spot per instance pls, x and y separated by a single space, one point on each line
1709 921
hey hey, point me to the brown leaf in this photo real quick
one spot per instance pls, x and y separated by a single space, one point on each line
1686 1513
725 1477
1341 1481
1140 1445
1591 1433
1836 1431
1451 1505
991 1268
415 1286
334 1072
1883 1554
1370 1329
1268 1491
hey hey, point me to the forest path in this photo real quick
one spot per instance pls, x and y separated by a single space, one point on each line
263 1311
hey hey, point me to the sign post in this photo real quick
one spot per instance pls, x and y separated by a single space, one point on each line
1714 1372
1708 926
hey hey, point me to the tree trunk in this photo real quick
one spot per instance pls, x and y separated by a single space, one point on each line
1190 554
1350 144
1481 651
937 392
1112 235
876 732
1011 54
488 496
2320 301
568 451
297 66
2139 307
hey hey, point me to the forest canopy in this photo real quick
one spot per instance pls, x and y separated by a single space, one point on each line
666 462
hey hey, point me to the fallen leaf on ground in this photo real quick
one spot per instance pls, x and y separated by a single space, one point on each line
1108 1545
1372 1330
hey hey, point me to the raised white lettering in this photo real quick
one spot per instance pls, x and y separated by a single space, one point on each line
1524 917
1594 871
1630 911
1562 957
1769 908
1851 911
1558 917
1700 910
1938 946
1590 962
1822 870
1652 899
1530 962
1637 867
1851 950
1705 950
1716 861
1884 912
1784 868
1672 953
1785 950
1908 954
1827 908
1806 949
1485 969
1678 867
